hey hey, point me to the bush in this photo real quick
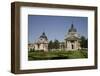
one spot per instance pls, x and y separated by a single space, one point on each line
52 55
32 50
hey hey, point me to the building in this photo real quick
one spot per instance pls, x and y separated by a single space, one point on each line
30 46
61 46
72 39
41 43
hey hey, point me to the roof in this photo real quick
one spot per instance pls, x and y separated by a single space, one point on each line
72 38
44 36
42 39
72 29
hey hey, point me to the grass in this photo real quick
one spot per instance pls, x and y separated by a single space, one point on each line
52 55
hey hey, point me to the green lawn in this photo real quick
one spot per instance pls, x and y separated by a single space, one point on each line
52 55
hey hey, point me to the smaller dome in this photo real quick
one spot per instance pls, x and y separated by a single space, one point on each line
44 36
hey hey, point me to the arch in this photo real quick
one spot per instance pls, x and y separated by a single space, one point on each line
72 46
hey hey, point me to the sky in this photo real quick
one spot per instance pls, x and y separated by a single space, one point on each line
55 27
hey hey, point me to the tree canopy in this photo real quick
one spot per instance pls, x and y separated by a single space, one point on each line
84 42
50 45
53 45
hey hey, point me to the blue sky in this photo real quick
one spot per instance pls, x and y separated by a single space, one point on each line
55 27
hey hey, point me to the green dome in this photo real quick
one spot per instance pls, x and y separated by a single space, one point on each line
72 29
44 36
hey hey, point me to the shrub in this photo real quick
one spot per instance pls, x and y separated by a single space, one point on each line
52 55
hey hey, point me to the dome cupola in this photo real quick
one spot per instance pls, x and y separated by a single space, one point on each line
44 36
72 29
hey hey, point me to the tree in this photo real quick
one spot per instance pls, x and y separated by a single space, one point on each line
84 42
56 44
50 45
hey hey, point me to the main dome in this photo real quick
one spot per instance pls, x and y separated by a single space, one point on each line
72 29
